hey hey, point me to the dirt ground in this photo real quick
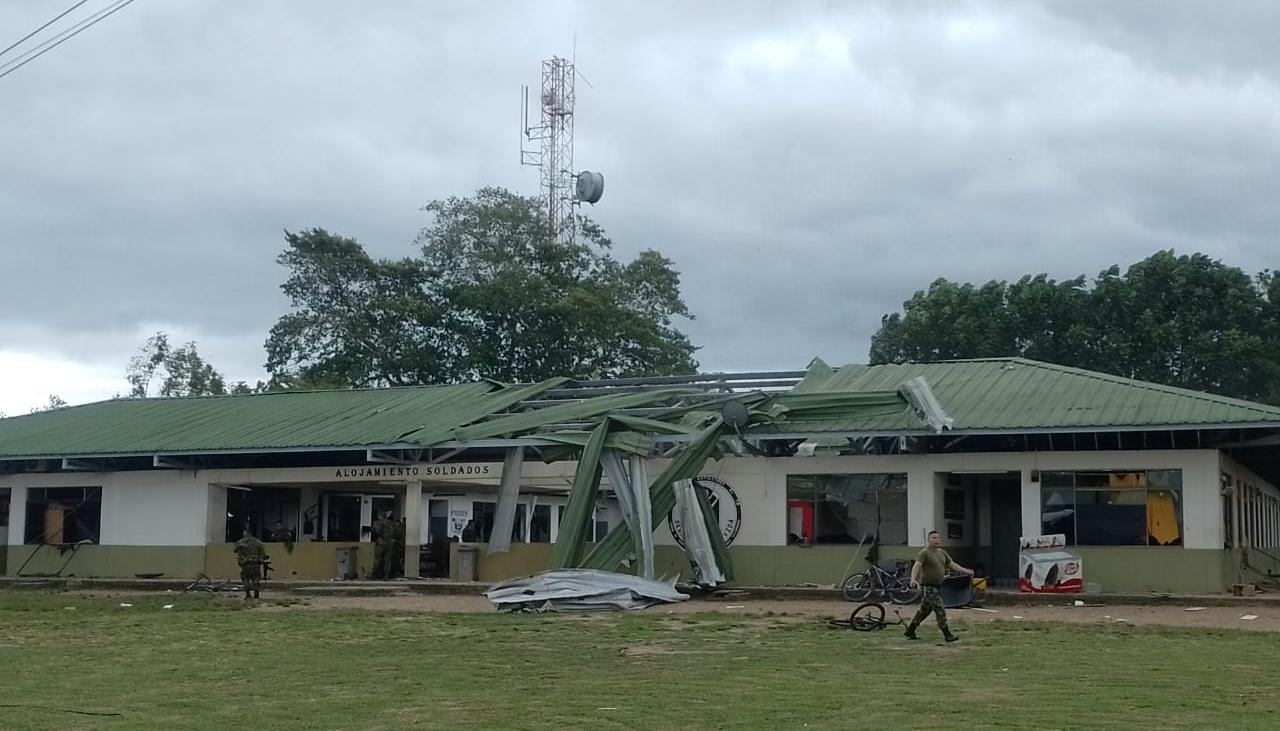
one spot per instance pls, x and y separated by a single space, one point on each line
1267 616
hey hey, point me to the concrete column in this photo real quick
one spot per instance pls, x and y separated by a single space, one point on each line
1031 525
508 496
17 517
412 529
922 505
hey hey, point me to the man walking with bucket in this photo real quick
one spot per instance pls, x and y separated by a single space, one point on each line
928 572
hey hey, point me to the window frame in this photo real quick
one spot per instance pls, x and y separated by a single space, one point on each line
824 486
37 500
1069 485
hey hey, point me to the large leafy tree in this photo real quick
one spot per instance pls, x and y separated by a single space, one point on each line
1188 321
184 371
491 294
356 321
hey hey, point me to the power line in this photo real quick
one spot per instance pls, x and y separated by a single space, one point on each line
61 38
56 18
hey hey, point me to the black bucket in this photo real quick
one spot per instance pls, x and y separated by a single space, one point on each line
957 591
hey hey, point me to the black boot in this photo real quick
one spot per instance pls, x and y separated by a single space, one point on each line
950 637
910 634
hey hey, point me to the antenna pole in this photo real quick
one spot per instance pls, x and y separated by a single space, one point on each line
552 151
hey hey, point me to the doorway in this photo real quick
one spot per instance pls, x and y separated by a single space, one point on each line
342 518
1006 529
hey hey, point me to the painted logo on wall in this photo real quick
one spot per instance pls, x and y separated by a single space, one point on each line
724 503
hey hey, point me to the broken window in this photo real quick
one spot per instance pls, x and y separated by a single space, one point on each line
63 515
261 508
847 508
343 518
540 525
483 514
1113 508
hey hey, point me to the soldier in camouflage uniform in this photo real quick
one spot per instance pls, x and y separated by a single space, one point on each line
397 547
383 538
928 572
251 554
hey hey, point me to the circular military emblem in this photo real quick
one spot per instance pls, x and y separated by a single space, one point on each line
724 503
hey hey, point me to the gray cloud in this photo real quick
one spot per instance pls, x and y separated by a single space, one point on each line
807 167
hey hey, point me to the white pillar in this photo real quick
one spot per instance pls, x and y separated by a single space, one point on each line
1031 525
922 501
412 528
504 517
17 518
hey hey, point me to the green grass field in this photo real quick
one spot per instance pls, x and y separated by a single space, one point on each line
211 664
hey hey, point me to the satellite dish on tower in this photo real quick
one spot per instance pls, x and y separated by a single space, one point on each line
590 186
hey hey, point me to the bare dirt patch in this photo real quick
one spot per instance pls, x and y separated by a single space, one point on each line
764 613
786 611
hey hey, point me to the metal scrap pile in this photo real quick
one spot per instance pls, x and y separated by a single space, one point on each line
582 590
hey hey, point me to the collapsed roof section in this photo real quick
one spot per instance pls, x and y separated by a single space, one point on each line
416 424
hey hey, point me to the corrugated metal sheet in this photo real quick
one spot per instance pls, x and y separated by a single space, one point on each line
997 394
255 422
1016 393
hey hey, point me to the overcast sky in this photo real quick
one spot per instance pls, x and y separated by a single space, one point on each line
808 166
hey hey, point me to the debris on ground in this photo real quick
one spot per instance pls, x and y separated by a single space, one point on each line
569 590
1193 609
1249 617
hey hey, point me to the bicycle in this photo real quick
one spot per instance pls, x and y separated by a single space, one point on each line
895 586
868 617
205 584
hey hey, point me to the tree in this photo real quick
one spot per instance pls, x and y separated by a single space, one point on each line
356 322
1187 321
185 372
492 295
55 402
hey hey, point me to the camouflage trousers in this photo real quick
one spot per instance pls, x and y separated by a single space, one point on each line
251 578
931 601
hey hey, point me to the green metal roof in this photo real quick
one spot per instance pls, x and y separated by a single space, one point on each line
1002 394
283 420
1012 394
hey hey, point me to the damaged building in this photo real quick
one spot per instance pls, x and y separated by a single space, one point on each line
753 479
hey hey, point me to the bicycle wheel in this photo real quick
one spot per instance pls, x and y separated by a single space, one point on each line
857 588
867 617
901 592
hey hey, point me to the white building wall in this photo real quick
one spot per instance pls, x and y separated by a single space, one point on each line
155 509
1202 506
168 508
185 508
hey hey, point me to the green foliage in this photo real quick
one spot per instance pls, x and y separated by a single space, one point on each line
356 322
491 295
55 402
1187 321
185 372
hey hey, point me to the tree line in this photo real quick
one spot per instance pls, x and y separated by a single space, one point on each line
1188 321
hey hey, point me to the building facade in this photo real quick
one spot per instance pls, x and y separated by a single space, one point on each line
1149 507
